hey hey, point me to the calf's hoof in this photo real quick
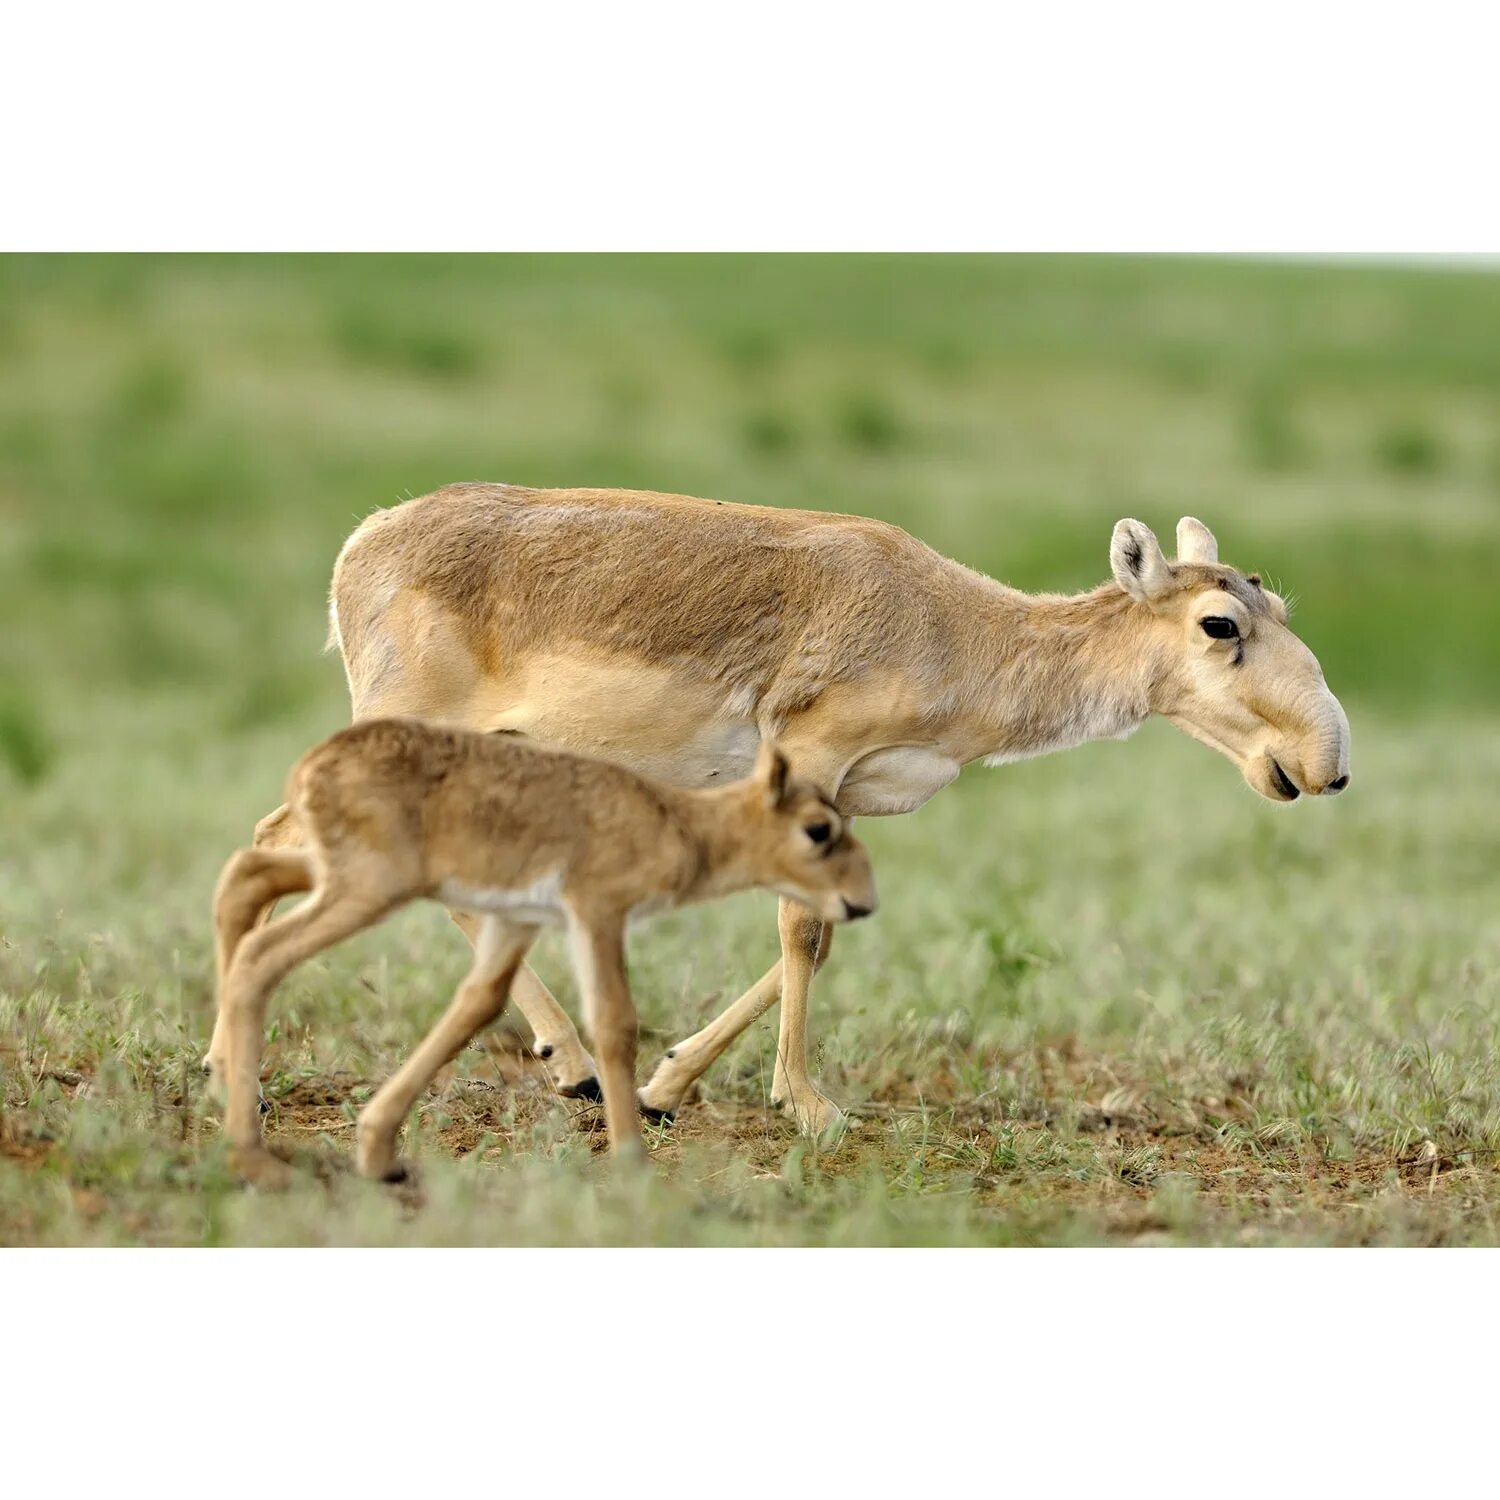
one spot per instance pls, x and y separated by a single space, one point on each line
396 1173
629 1157
375 1156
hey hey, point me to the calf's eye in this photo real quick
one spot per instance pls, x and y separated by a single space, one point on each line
819 833
1220 627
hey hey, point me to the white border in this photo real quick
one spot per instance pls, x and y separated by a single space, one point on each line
1328 127
648 1373
1275 127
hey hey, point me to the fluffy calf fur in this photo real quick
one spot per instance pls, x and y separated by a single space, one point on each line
392 810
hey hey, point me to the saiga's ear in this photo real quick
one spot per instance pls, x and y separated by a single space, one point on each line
1139 567
1195 542
771 770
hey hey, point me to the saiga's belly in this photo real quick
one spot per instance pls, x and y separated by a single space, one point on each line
664 724
688 731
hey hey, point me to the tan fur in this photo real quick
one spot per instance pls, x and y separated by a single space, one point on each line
392 810
674 635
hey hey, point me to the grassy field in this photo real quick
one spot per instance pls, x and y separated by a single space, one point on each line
1110 997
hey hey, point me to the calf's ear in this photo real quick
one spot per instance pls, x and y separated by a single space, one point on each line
771 771
1139 566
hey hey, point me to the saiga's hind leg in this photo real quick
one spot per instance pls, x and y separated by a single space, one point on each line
555 1039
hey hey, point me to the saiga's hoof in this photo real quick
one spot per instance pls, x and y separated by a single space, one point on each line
654 1116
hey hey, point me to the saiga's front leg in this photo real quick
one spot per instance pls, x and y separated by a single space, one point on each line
686 1063
804 945
805 940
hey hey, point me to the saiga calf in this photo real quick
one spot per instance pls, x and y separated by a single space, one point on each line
393 810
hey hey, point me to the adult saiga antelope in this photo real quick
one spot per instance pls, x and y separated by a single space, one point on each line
675 635
392 810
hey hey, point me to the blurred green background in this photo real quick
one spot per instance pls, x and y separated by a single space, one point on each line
186 441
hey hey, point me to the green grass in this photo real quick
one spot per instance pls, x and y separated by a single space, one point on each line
1110 996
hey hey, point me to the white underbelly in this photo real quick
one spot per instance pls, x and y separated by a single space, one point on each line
540 903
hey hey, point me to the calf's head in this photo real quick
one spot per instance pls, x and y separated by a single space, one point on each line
1227 669
799 845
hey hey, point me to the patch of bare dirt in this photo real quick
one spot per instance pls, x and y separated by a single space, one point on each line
1114 1139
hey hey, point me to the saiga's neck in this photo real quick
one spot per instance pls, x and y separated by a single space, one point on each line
1043 672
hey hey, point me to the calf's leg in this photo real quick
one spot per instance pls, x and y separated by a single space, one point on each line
599 954
499 947
252 881
262 960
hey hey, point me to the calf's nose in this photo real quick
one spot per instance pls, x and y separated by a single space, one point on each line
1336 785
853 912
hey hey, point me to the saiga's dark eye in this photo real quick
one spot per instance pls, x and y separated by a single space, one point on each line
1220 627
819 833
